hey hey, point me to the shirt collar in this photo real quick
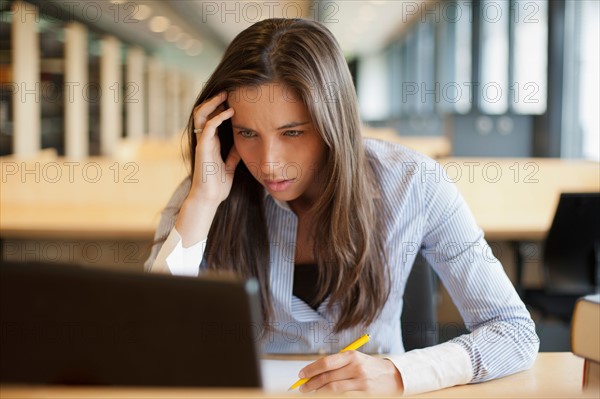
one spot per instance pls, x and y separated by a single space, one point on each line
282 204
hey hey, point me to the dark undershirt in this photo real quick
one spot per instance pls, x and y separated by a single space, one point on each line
306 276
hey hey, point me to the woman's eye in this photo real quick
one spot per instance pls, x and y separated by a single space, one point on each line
246 133
293 133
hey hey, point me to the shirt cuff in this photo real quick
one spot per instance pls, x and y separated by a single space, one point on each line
433 368
176 259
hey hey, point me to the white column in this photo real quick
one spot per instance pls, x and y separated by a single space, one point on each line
172 106
194 87
183 103
27 109
135 88
111 102
188 96
76 77
156 98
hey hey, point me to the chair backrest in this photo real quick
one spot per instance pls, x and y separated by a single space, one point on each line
419 314
572 247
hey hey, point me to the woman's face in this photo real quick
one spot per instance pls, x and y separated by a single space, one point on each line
274 135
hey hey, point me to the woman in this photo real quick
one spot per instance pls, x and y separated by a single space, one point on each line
285 190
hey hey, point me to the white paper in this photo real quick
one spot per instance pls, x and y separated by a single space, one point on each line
279 375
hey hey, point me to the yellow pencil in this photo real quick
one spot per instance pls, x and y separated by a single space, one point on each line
352 347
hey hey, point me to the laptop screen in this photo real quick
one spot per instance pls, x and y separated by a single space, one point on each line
68 325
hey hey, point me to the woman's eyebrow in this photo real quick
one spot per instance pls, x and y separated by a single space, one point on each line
292 124
286 126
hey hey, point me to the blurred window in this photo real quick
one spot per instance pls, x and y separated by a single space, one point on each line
530 53
581 87
425 69
462 59
589 83
494 19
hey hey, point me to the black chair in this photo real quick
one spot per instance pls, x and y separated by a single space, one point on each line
419 314
571 257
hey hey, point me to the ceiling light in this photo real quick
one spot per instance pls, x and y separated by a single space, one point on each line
159 24
195 49
183 41
173 33
187 44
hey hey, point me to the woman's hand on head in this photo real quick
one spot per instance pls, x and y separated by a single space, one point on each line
213 178
352 371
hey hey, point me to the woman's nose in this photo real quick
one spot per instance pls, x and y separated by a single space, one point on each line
271 159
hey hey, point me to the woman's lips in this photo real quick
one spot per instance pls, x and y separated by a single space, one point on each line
278 185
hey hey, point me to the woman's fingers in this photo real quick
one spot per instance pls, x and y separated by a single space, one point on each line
203 112
210 128
327 363
344 386
352 371
325 370
333 380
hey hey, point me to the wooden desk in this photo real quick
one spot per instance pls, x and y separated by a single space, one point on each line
98 198
516 198
512 199
432 146
556 375
79 221
171 148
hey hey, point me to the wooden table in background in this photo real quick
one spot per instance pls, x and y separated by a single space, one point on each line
511 199
98 198
432 146
516 198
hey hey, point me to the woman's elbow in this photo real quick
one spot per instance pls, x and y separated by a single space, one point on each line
529 343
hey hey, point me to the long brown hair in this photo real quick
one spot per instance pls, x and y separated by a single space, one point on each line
348 245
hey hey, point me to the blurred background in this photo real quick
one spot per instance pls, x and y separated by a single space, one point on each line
95 96
498 78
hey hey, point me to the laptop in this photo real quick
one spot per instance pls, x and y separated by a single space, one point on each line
64 324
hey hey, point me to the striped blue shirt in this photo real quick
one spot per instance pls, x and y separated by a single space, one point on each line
423 212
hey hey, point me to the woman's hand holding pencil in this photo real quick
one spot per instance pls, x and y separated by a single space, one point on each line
350 370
